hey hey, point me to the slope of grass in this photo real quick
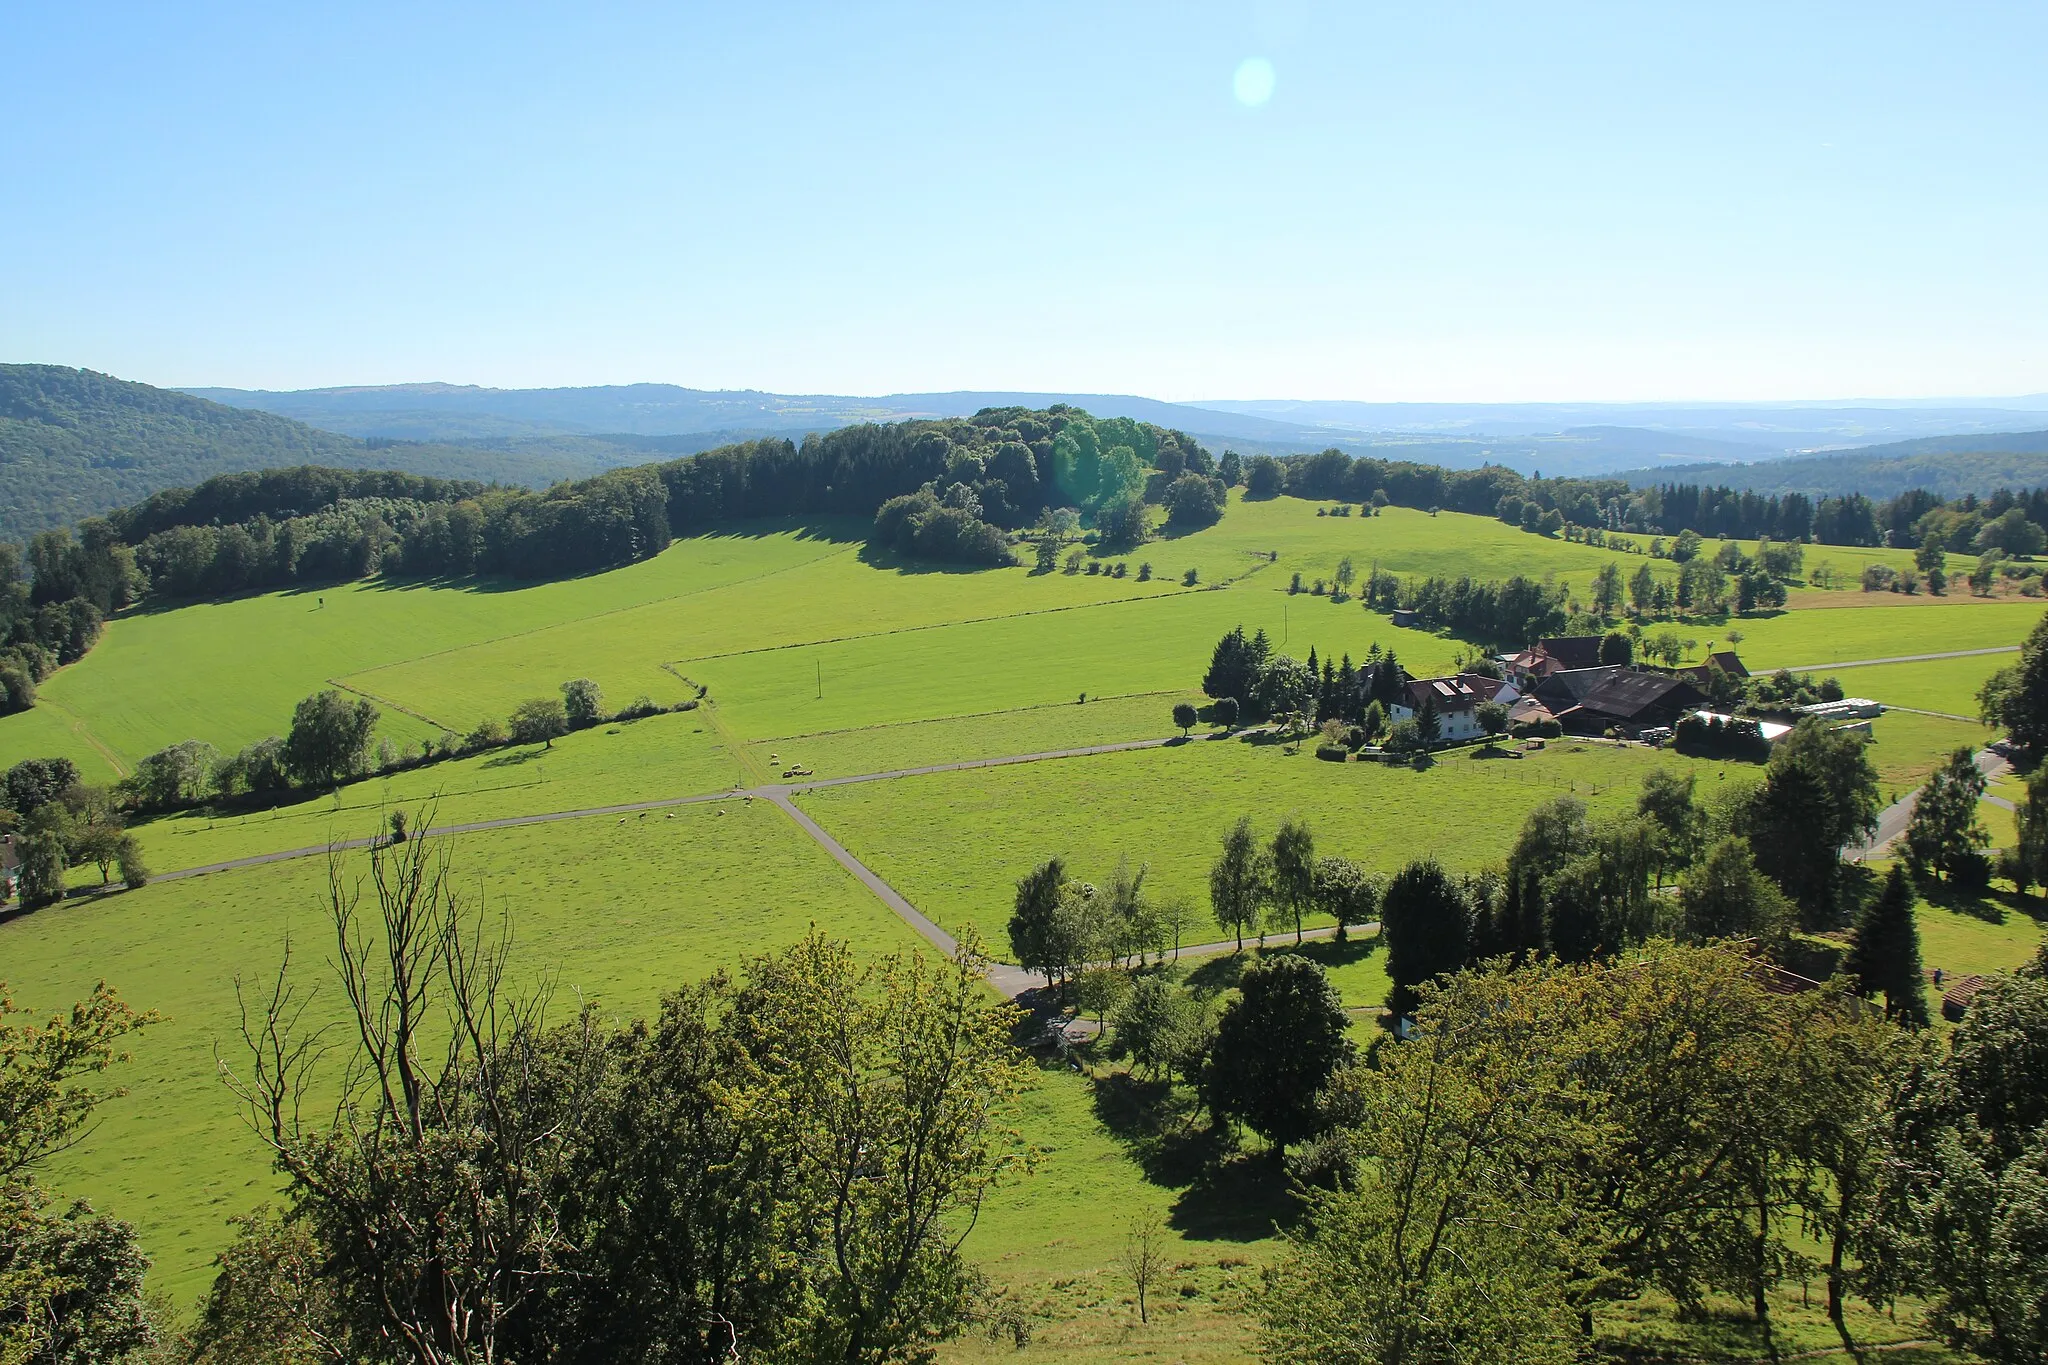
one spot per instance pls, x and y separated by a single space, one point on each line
616 913
643 760
1034 660
955 843
1908 747
1027 730
230 672
1836 634
845 599
1948 685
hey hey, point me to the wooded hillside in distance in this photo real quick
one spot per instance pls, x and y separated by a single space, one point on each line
1948 465
75 443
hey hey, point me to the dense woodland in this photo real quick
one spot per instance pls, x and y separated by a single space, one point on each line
75 444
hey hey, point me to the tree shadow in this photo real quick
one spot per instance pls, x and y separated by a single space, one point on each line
1225 1194
895 561
1986 904
514 759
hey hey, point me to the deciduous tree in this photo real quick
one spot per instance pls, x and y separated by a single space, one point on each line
1239 881
1276 1046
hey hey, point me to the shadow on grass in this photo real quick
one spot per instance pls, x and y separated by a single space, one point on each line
517 758
1992 906
1225 1194
1215 975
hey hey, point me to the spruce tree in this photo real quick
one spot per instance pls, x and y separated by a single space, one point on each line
1428 928
1884 950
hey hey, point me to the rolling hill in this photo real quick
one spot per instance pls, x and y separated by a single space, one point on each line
75 443
1948 465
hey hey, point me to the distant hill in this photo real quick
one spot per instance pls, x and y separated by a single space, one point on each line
467 412
75 443
1948 465
1567 439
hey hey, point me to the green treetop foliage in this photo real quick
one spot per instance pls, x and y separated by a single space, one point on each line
330 737
1428 927
70 1283
1884 950
1557 1137
781 1166
1277 1044
1240 881
1819 794
1944 836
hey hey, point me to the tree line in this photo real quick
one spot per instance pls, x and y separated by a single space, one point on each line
1905 520
63 822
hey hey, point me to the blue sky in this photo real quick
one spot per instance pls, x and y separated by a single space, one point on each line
1468 201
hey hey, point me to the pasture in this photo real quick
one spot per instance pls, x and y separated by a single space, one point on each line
611 912
956 843
650 759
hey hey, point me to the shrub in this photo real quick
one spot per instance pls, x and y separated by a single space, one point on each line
582 703
1333 753
1188 578
489 734
1144 573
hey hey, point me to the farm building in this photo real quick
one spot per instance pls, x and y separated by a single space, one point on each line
1595 700
1456 700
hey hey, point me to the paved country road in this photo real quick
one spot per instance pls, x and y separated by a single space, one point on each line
1893 819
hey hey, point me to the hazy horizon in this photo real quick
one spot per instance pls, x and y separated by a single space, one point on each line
1355 203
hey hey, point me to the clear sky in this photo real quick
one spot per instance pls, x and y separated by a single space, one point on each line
1448 201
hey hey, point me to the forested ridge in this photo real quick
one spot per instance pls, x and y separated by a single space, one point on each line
76 443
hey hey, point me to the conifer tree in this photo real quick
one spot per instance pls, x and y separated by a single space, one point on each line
1884 951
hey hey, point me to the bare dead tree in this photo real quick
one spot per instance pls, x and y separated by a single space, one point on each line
432 1186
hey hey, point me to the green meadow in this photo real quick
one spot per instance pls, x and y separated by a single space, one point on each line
1066 724
1818 637
1946 685
611 912
650 759
956 843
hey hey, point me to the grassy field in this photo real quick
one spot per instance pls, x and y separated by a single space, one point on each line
617 913
1793 639
1034 660
956 843
1908 747
843 598
643 760
996 734
230 672
1948 685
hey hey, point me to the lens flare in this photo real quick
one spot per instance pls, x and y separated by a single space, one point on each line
1253 82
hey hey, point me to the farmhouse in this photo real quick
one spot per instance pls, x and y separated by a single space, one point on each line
1594 700
1547 657
1702 673
1456 700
